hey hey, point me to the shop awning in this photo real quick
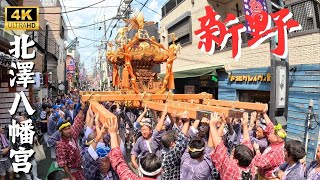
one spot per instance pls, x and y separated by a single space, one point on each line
196 72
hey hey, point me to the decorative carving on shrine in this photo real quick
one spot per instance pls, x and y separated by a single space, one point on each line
138 57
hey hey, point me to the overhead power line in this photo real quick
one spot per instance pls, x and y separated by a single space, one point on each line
149 8
117 20
79 27
68 19
75 9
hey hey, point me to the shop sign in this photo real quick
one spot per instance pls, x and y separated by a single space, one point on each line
189 89
6 60
70 64
249 78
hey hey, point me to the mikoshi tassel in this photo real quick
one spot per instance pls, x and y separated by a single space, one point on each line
171 81
125 78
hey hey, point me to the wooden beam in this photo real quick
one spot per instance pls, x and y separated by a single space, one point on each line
104 114
98 92
139 97
236 104
200 107
179 107
160 106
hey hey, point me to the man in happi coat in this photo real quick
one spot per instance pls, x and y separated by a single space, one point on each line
196 163
272 157
150 166
67 150
145 143
238 165
174 146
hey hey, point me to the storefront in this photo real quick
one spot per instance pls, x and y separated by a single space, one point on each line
246 85
197 80
253 85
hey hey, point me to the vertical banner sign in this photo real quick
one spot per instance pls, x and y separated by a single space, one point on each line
21 132
70 65
252 8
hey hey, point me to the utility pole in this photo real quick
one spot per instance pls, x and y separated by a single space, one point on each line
45 68
100 65
278 109
106 48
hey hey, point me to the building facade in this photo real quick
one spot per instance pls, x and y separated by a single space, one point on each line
248 79
7 93
56 38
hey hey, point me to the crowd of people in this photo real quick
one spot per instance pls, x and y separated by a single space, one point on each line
162 145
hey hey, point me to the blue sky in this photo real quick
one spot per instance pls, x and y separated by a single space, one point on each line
92 15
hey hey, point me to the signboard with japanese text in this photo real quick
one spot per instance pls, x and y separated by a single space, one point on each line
189 89
22 131
249 78
212 31
21 18
70 64
281 86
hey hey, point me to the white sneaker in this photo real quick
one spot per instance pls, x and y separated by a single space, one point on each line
17 176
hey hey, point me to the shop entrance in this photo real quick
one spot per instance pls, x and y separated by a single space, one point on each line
254 96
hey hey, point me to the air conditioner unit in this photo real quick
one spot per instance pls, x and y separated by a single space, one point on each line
38 81
127 1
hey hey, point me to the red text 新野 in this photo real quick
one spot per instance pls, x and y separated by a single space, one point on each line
212 31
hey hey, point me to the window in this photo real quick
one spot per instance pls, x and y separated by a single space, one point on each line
182 31
169 6
306 13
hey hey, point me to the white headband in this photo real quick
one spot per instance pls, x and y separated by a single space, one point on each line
149 173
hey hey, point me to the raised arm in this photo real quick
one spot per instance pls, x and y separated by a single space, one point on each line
186 124
90 118
266 117
154 114
253 119
245 129
163 117
116 158
78 122
172 118
216 139
221 128
143 114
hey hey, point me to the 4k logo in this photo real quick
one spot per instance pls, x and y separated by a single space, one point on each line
22 18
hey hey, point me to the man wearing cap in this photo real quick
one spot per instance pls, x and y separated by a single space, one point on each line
268 162
67 150
70 115
95 160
